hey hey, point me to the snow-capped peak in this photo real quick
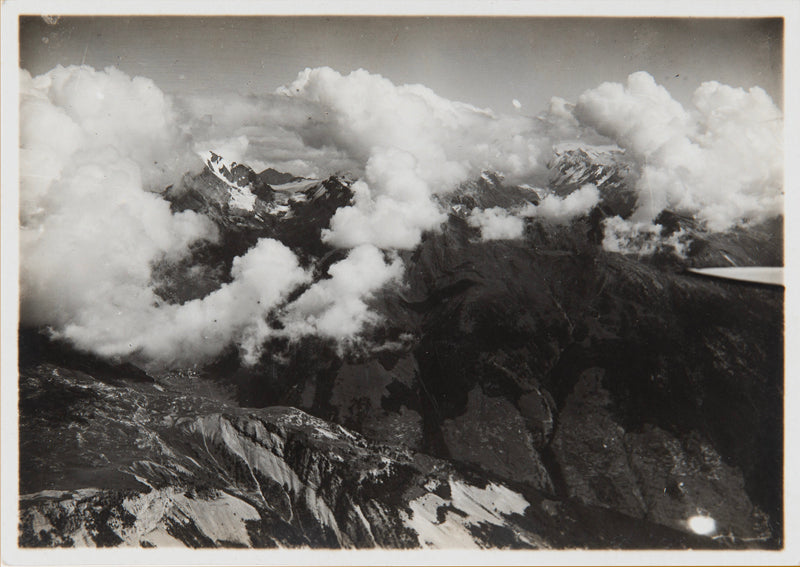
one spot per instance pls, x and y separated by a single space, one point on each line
604 154
491 177
235 176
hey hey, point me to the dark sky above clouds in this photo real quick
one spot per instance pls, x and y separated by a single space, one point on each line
485 61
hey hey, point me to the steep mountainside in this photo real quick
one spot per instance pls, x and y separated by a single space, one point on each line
174 461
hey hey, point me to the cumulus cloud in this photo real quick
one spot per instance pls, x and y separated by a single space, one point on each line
642 238
414 145
561 210
92 144
720 161
197 331
71 114
95 145
336 307
496 223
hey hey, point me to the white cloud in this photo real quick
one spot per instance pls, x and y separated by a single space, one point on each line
496 223
94 145
561 210
197 331
414 144
640 237
97 147
721 161
336 307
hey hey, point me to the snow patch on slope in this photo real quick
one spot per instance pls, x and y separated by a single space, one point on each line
242 198
241 195
221 517
216 515
468 507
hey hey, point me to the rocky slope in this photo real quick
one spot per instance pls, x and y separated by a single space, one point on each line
528 393
173 461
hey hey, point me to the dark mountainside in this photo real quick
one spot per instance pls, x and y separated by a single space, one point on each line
531 393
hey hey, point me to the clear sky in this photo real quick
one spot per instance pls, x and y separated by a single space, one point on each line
485 61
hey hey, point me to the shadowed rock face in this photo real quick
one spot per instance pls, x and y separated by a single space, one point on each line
531 393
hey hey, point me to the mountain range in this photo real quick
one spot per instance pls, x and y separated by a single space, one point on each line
539 392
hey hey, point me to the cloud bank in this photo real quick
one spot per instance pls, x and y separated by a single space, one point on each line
92 144
721 161
280 132
198 331
98 147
